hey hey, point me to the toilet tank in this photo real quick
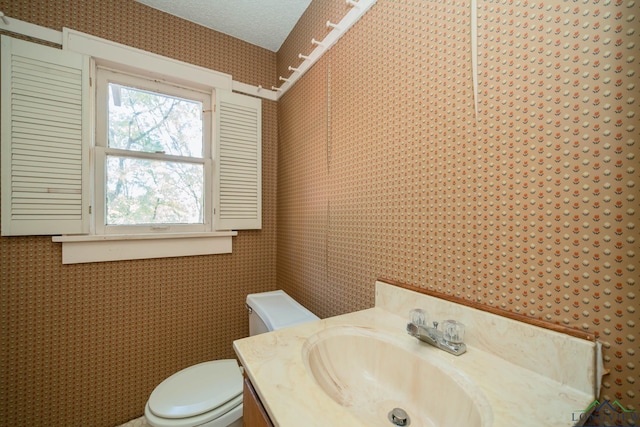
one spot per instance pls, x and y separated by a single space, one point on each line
269 311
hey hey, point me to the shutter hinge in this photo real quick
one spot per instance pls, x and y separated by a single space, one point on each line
90 81
89 209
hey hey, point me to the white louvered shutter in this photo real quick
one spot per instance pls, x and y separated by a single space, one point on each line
45 137
238 199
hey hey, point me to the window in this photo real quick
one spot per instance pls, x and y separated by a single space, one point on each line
153 156
145 163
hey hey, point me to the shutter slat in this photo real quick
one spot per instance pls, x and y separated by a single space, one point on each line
41 197
27 175
46 104
49 66
37 219
53 114
47 85
20 164
33 186
51 93
61 141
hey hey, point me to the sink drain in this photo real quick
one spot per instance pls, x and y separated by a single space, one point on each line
399 417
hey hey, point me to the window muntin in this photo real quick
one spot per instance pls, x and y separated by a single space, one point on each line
153 156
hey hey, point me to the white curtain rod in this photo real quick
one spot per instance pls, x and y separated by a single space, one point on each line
358 9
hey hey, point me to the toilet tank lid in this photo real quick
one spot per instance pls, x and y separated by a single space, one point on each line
278 310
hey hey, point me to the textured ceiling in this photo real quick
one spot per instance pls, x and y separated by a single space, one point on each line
265 23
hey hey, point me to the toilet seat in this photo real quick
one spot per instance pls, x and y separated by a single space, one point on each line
197 394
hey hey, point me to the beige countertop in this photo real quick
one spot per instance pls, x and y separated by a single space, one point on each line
522 386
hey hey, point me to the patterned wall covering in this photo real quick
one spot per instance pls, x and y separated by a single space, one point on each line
305 174
531 207
84 345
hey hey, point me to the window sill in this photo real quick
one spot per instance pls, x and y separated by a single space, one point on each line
120 247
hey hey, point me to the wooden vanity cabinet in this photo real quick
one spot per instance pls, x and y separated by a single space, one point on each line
254 414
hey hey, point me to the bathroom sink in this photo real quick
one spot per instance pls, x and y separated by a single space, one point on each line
370 374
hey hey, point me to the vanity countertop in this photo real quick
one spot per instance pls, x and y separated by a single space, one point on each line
518 395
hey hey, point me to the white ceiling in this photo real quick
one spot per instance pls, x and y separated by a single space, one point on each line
265 23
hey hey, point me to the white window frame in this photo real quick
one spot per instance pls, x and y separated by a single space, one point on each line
104 76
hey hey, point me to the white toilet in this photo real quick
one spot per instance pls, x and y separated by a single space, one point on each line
210 393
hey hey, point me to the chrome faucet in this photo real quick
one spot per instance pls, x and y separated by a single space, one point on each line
449 340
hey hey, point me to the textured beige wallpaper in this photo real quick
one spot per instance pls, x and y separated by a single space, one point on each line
531 206
84 345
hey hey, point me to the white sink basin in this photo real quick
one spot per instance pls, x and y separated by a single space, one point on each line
370 375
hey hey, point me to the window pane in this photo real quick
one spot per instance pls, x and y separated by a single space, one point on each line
153 192
140 120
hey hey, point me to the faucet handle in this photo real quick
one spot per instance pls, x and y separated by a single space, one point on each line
453 331
418 317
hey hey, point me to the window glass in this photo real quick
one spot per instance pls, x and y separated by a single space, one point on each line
150 122
143 191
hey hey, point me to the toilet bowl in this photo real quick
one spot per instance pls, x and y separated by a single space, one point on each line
209 394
